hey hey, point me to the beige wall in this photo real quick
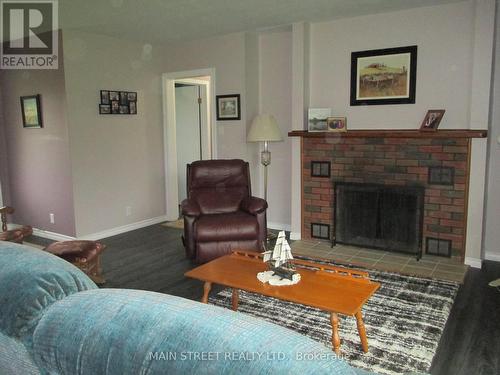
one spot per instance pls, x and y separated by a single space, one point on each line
38 162
276 98
117 160
492 206
227 55
444 36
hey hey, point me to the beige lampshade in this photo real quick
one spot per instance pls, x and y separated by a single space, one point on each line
264 128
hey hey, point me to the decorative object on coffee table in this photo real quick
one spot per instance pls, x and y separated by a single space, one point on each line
432 120
281 268
16 234
86 255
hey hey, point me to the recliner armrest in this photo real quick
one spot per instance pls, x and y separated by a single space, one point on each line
190 207
253 205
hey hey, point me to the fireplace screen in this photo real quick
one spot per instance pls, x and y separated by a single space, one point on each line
379 216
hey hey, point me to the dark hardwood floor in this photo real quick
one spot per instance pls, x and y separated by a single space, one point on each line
153 259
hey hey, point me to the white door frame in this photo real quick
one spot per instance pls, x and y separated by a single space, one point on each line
169 133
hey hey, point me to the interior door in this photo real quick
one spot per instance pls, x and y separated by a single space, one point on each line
188 131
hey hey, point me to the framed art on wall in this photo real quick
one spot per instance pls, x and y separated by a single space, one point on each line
228 107
384 76
31 111
118 102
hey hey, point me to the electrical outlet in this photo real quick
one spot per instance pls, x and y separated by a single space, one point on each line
52 220
128 211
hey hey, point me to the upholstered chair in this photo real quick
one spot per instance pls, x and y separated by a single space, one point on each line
16 234
220 214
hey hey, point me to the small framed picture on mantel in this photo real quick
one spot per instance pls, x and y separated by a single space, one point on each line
432 120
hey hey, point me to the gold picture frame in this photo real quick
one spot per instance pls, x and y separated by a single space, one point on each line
336 124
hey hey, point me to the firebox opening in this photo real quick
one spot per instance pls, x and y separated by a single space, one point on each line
379 216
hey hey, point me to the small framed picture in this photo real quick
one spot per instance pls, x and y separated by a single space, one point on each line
317 119
228 107
432 120
123 109
31 111
132 96
115 107
104 109
114 95
336 124
132 108
104 97
123 98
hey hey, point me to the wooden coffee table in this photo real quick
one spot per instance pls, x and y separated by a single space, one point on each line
336 290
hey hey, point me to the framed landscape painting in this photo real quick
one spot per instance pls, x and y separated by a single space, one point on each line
31 112
384 76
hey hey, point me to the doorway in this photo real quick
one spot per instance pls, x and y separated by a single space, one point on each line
189 134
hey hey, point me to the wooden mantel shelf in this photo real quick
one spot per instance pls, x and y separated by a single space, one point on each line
396 133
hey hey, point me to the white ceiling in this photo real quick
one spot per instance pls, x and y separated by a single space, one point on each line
163 21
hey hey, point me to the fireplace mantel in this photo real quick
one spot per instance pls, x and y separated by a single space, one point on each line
396 133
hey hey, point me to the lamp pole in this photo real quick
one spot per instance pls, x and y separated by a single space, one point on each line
265 159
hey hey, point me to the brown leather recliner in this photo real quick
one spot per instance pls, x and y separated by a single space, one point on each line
220 213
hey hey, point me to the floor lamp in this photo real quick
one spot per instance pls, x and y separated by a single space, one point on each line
265 129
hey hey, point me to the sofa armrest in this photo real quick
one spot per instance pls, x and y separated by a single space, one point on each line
253 205
190 207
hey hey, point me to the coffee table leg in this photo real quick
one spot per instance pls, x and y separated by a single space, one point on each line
335 333
206 289
362 331
235 299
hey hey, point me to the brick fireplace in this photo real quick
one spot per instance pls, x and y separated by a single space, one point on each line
438 162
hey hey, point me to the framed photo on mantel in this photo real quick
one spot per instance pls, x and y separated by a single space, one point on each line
384 76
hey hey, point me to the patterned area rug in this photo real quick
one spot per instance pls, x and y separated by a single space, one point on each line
404 321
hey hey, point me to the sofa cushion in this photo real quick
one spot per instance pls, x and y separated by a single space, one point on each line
30 281
226 227
124 332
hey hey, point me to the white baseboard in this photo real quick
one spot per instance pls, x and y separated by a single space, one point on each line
124 228
279 226
295 236
51 235
473 262
492 256
100 235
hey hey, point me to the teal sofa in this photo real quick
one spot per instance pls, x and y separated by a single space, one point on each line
54 320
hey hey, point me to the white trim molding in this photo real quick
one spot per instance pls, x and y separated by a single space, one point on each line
169 131
295 236
100 235
492 256
473 262
51 235
124 228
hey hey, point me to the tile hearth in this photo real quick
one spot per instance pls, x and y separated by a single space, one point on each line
429 266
